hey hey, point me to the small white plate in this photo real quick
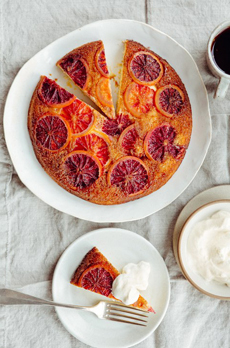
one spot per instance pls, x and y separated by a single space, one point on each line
119 247
212 288
113 32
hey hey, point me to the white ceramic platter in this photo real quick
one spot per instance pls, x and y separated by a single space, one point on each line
119 247
112 32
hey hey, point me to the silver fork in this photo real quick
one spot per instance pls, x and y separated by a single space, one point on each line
109 310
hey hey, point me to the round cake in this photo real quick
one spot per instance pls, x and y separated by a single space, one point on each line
113 160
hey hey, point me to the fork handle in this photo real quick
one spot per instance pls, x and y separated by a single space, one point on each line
12 297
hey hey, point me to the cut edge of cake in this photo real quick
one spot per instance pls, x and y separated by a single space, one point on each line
91 69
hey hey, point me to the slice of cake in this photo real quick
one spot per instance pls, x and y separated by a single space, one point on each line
87 67
96 273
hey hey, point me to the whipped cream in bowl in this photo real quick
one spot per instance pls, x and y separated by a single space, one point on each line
209 248
204 249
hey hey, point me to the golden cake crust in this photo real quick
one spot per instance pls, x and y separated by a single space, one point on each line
95 258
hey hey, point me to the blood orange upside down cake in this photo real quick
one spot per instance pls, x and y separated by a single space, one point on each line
108 160
96 273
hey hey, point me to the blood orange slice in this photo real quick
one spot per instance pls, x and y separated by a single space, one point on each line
115 127
95 144
169 100
101 62
128 140
82 169
80 117
129 174
103 92
52 132
160 141
139 99
77 68
53 95
145 68
98 279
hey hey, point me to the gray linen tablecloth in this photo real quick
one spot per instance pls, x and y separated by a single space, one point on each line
34 235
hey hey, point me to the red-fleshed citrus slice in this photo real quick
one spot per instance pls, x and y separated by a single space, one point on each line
101 62
53 95
95 144
115 127
169 100
77 68
130 142
145 68
128 138
103 92
80 117
52 132
82 169
160 141
98 279
129 174
139 99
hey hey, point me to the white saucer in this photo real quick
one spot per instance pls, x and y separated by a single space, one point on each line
120 247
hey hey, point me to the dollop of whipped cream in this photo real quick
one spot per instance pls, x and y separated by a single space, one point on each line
133 277
209 248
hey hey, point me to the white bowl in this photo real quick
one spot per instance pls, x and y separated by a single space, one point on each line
212 288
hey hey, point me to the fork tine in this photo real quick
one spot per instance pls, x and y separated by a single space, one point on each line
128 307
126 316
129 312
125 321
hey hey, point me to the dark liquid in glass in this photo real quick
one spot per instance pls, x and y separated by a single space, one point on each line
221 50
